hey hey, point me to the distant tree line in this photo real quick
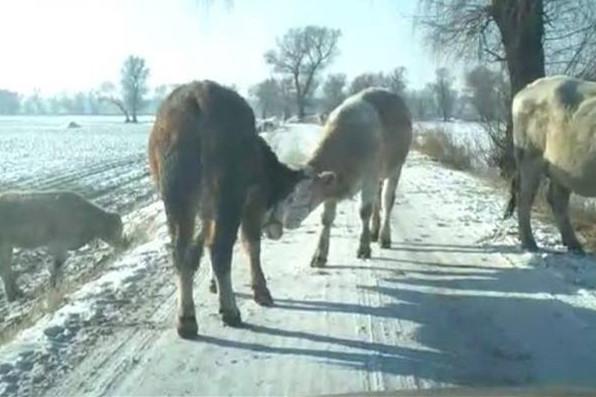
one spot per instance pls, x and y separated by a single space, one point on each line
130 98
298 88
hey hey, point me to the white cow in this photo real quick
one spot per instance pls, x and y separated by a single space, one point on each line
365 144
554 133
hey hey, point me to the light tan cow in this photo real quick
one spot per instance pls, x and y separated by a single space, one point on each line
59 220
554 133
365 144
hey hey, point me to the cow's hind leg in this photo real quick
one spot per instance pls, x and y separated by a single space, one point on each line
56 268
376 215
558 198
251 241
187 255
10 286
222 244
368 197
389 188
530 172
319 259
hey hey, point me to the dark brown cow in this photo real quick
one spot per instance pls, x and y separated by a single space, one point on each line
208 160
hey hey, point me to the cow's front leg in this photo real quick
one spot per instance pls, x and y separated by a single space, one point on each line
10 286
251 241
319 258
57 266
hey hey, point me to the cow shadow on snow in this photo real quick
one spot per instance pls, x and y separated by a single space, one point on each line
455 248
465 325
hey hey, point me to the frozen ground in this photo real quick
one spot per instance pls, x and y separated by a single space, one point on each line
453 302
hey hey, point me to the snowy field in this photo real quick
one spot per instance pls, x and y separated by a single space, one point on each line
104 160
453 303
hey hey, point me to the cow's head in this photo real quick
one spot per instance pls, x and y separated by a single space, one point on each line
273 223
308 193
113 233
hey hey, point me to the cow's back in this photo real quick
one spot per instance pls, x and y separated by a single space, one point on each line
555 118
206 122
203 148
544 110
397 126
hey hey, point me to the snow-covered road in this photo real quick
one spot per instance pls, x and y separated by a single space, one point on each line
453 302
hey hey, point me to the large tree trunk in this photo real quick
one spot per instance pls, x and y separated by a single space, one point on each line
299 97
444 108
300 101
521 24
134 111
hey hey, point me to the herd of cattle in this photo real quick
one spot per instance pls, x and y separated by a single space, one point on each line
211 167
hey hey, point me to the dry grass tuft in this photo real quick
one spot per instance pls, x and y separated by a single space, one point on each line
441 146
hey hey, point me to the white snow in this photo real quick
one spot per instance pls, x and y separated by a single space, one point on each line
294 142
454 302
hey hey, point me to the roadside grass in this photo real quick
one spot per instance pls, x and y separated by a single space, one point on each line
442 147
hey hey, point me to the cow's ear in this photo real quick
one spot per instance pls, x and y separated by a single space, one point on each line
327 180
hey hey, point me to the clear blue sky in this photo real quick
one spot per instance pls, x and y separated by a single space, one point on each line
69 45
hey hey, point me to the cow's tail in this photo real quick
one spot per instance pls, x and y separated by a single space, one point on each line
513 192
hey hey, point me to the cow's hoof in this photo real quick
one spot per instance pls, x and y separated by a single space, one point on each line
576 250
213 287
364 252
231 318
530 247
187 327
385 243
318 262
263 297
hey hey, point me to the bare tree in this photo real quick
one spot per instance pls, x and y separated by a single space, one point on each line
134 76
301 54
483 88
444 93
34 104
570 37
9 102
286 86
395 80
528 36
107 93
334 91
422 103
268 97
488 91
366 80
